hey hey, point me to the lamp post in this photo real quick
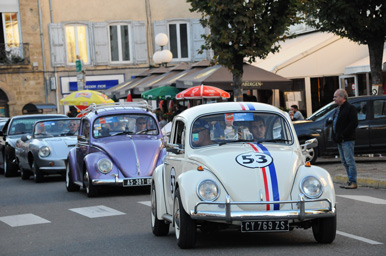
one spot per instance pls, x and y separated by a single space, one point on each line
162 57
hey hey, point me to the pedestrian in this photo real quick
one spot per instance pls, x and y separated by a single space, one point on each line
345 122
297 114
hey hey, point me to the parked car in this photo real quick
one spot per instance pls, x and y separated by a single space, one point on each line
254 180
46 151
118 145
16 127
3 121
370 133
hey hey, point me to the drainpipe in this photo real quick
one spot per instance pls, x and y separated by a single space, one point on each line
43 55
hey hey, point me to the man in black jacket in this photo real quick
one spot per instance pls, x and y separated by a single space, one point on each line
345 123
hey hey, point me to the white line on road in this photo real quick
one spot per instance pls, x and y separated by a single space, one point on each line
23 220
358 238
97 211
147 203
366 199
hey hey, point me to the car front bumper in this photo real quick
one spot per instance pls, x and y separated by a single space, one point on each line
301 213
116 181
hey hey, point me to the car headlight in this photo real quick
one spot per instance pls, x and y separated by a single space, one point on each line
311 187
44 151
104 165
208 190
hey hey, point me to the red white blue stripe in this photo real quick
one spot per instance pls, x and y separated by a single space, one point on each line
271 187
247 106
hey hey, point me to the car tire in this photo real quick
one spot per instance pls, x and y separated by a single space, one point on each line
38 174
24 174
91 190
70 185
311 155
9 169
185 227
159 227
324 230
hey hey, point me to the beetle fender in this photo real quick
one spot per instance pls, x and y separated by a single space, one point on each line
91 163
160 193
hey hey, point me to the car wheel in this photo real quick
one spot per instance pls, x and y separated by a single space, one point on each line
324 230
24 174
159 227
38 175
9 168
185 227
91 190
70 185
311 155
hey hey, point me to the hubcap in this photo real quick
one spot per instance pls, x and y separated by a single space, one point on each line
87 182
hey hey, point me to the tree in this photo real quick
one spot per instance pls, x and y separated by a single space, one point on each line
361 21
243 30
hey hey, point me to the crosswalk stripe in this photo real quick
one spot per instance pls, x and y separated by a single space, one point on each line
366 199
96 211
147 203
23 220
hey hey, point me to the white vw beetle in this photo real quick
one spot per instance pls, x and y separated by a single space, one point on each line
240 165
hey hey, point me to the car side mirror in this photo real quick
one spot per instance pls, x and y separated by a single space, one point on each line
311 143
174 148
82 138
329 121
24 138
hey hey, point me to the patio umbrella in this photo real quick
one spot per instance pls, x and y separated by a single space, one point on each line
201 92
161 93
85 98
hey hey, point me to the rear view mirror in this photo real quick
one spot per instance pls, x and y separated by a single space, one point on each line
311 143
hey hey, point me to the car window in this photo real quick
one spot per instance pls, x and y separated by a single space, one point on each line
25 125
379 109
322 112
240 126
86 129
56 128
113 125
361 107
179 137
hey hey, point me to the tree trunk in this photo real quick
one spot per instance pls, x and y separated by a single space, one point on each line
237 79
376 54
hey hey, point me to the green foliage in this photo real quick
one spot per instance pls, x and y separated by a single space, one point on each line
245 29
360 21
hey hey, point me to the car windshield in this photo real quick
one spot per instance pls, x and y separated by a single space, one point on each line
322 112
24 125
115 125
227 128
56 128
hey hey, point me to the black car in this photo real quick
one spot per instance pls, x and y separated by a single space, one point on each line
370 133
13 130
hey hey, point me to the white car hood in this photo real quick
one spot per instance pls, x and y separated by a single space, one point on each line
61 146
232 164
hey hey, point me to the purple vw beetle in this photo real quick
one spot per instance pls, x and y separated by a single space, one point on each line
118 144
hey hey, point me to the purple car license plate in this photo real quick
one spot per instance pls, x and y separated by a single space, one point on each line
265 226
137 182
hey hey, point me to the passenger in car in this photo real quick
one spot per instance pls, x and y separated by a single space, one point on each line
200 134
258 128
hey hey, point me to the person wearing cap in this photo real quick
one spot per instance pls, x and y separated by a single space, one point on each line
201 134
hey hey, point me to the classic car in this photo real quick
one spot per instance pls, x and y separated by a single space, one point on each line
46 150
239 165
16 127
118 145
370 133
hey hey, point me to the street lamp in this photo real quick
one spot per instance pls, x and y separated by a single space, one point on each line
163 56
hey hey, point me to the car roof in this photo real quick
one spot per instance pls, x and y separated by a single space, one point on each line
367 97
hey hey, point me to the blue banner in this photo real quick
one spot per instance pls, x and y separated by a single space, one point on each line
95 85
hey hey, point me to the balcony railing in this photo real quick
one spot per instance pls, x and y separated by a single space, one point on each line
15 54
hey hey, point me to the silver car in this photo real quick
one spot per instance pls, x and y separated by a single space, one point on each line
45 152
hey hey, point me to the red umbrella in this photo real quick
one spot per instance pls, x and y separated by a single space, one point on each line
202 91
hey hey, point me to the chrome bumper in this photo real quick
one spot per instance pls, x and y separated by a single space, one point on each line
301 213
117 181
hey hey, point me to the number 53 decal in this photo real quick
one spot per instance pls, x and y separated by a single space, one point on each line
254 160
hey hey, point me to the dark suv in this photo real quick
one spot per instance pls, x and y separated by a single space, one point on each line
370 133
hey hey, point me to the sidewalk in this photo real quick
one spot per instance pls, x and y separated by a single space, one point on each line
371 171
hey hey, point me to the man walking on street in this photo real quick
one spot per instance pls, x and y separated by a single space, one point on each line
345 122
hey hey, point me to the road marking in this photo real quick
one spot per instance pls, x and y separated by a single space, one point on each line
366 199
147 203
97 211
23 220
358 238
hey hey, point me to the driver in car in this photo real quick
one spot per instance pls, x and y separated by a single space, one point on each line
140 124
258 128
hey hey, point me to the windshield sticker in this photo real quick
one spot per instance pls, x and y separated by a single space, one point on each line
243 116
102 120
111 119
254 160
229 117
195 136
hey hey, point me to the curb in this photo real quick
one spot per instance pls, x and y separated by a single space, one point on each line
362 182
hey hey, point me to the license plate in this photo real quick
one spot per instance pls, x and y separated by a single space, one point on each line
137 182
265 226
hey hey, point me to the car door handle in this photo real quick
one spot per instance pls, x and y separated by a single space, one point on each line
363 127
166 163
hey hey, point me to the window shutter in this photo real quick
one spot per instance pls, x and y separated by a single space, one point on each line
160 26
140 43
101 44
57 44
197 40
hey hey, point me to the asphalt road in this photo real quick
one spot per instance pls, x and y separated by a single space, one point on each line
45 219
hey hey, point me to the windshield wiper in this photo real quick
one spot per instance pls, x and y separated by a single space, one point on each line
232 141
273 140
146 130
123 133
